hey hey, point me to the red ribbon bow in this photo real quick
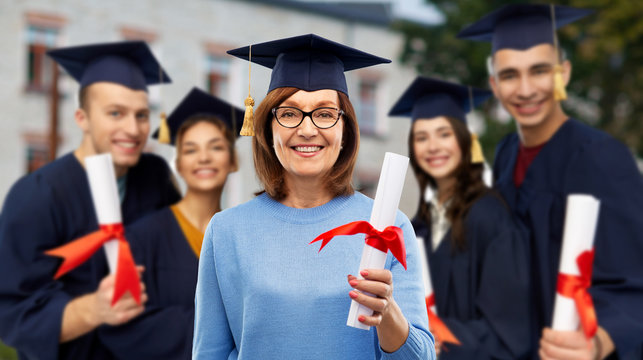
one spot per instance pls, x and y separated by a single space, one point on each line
575 287
390 238
78 251
439 329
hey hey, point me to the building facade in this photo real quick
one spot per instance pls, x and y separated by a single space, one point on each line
190 38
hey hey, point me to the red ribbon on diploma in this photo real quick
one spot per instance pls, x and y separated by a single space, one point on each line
439 329
575 287
391 238
78 251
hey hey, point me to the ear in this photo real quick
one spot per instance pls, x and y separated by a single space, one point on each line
493 85
567 71
82 120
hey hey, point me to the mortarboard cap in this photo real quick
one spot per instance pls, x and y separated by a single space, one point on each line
129 63
198 102
427 98
307 62
521 26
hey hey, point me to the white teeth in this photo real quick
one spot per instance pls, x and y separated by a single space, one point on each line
129 145
307 148
205 171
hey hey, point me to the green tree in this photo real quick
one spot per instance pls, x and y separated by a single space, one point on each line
606 50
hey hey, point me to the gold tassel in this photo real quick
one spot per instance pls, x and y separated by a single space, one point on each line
248 128
476 150
559 84
164 130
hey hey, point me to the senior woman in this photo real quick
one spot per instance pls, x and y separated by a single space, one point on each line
262 291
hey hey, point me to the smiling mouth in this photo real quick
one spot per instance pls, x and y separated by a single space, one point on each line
307 149
438 161
126 144
528 108
205 172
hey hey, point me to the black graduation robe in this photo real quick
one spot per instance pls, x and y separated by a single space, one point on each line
580 159
46 209
165 329
481 293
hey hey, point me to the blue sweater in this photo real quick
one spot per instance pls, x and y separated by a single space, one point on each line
264 293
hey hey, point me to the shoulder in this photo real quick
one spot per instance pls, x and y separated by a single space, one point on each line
506 143
43 182
151 162
152 222
596 153
488 212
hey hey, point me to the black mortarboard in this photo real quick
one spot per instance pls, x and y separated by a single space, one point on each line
129 63
307 62
427 98
521 26
198 102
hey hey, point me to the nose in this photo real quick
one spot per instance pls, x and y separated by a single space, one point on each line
526 89
307 129
132 126
204 156
432 145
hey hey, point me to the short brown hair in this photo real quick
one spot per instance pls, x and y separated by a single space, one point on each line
210 119
83 95
270 171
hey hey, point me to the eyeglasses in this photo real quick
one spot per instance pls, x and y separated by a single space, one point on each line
291 117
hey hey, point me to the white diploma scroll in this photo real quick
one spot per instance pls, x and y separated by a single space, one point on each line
426 272
102 184
387 199
580 225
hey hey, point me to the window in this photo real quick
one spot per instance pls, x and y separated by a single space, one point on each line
42 34
217 75
367 106
36 150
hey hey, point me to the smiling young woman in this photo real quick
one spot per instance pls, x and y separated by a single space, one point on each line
476 255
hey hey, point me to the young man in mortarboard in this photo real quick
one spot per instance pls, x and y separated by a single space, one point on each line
47 319
552 156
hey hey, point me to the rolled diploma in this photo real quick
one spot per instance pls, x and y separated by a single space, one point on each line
387 199
102 184
426 272
581 217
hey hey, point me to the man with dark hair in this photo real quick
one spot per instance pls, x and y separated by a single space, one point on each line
552 156
43 318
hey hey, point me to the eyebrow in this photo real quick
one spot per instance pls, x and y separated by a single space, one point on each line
542 65
317 105
214 140
441 128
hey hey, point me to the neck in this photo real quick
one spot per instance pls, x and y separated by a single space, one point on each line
306 193
199 207
536 135
86 148
445 188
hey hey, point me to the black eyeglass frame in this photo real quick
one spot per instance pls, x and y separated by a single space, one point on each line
305 114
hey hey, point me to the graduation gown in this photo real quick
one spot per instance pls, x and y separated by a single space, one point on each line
165 329
46 209
481 293
580 159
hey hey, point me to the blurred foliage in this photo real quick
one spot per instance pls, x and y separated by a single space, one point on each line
606 51
7 353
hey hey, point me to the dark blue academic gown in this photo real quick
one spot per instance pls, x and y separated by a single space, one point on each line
481 293
580 159
165 330
46 209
